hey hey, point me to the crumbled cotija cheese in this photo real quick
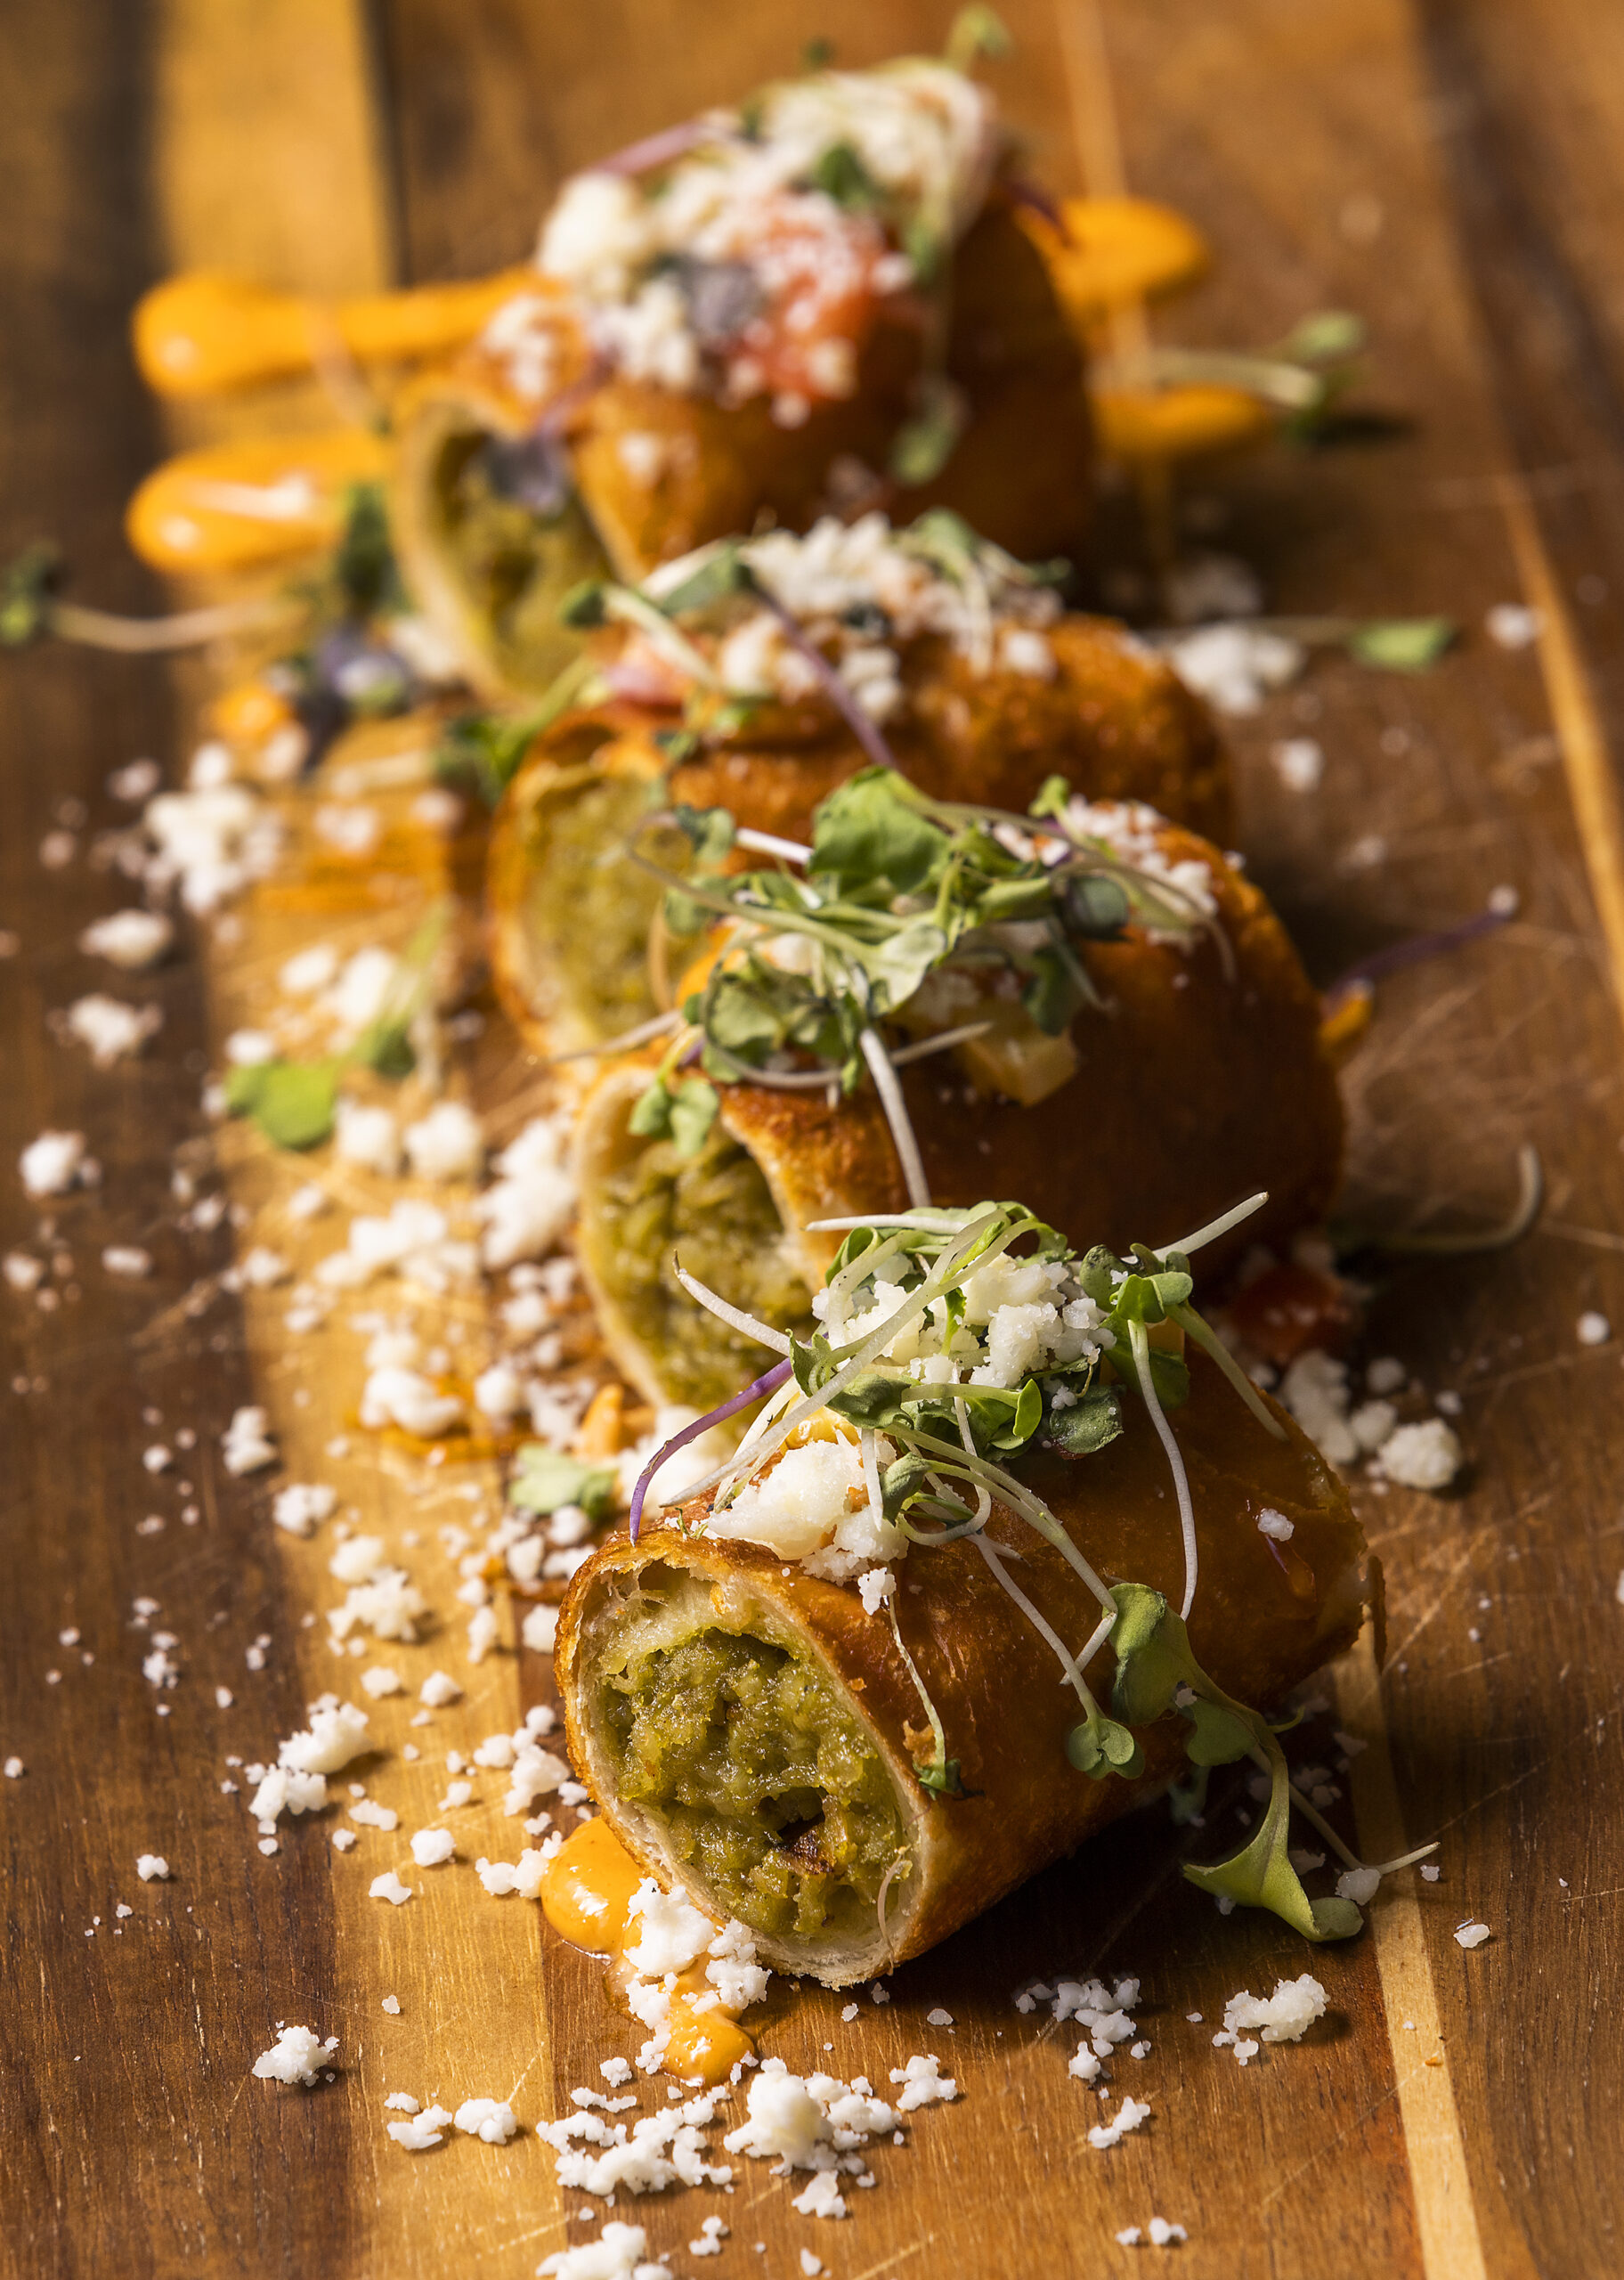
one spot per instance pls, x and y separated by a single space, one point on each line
423 2131
130 938
111 1029
54 1163
1129 2116
150 1865
295 2056
1283 2017
1427 1456
246 1446
447 1144
389 1887
490 2120
616 2254
431 1848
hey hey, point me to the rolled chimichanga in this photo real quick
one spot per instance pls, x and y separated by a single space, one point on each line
855 1692
822 300
956 660
1185 1070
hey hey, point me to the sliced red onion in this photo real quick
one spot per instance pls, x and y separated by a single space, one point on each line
1414 948
866 731
658 150
768 1382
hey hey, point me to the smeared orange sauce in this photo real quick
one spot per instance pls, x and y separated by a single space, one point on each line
587 1888
1116 250
201 334
1152 424
233 506
586 1892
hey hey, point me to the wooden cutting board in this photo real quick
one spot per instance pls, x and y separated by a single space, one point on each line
1450 170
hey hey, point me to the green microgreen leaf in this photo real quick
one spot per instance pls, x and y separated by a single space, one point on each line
1261 1874
483 749
682 1113
546 1478
364 569
1100 1746
923 444
1090 1422
28 585
1402 644
977 30
293 1103
710 832
582 606
942 1779
721 572
1220 1736
840 174
1325 336
868 829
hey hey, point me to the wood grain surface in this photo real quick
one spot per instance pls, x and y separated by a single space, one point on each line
1451 171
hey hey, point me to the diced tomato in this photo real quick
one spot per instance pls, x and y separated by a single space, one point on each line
817 267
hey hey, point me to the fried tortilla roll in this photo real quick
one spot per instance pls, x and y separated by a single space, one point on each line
1193 1073
980 686
751 1731
821 301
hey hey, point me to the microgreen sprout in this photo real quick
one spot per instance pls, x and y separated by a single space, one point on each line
895 887
31 607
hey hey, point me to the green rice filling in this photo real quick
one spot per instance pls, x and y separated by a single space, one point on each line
716 1210
591 909
516 565
763 1781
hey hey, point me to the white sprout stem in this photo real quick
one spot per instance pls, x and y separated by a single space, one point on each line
937 1736
1074 1677
1351 1859
900 1866
630 607
101 629
1097 1637
896 1116
627 1042
874 1345
767 843
855 1272
1404 1860
1319 1822
940 1043
984 1503
870 1473
1141 1344
733 1475
942 1220
1037 1515
734 1316
1207 1339
1221 1225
